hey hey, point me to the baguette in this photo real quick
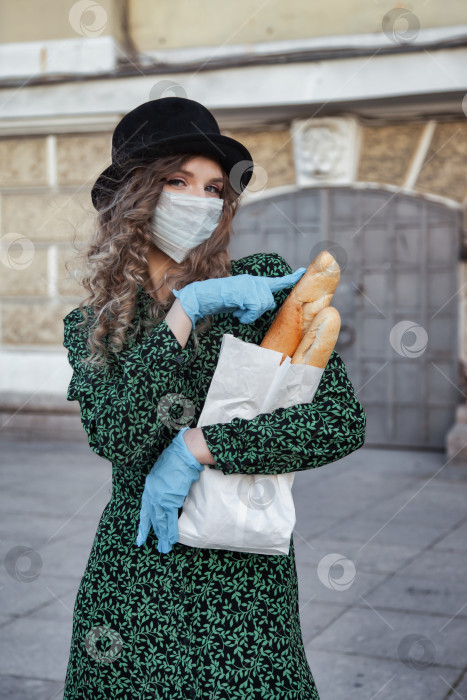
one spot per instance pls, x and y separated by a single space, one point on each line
312 293
317 344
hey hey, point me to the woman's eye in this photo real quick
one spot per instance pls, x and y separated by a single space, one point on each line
175 179
214 189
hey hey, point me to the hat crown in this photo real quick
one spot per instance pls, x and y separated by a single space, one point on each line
158 120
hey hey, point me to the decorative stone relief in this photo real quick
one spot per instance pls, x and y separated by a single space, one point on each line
325 150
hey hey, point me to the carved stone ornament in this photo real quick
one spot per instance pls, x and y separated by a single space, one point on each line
325 150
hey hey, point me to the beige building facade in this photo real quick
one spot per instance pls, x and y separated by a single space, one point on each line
351 99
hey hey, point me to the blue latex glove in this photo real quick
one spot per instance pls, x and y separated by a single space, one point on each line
165 489
249 295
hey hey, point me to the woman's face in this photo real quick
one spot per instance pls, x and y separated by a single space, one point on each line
200 177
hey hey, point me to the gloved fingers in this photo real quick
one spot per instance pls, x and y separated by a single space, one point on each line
251 314
144 523
264 300
164 547
159 523
277 283
255 308
172 523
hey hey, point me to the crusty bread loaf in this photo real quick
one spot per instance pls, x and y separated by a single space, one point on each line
312 293
319 340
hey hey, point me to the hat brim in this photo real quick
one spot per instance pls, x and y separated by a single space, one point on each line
231 154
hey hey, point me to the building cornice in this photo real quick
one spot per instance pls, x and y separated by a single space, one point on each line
417 85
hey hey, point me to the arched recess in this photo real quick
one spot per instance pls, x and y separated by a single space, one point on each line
398 297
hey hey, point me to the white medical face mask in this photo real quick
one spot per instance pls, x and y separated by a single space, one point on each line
182 221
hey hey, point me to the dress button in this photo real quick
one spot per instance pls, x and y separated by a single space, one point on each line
179 358
228 467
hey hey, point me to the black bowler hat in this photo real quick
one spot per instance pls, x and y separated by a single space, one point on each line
166 126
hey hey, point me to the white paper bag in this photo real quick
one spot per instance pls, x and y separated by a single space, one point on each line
246 512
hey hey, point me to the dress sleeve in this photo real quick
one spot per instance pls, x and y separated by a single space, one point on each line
292 439
302 436
120 409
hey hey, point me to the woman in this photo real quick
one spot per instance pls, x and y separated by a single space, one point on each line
154 618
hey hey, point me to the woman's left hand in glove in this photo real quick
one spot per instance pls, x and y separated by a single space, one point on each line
165 490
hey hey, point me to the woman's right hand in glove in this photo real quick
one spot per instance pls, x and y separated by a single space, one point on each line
248 296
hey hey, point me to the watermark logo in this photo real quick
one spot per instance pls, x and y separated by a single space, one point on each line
256 492
401 26
87 18
103 644
16 251
336 572
168 403
416 651
15 560
337 251
408 339
167 88
258 181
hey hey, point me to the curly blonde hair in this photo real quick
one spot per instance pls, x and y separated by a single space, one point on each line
116 260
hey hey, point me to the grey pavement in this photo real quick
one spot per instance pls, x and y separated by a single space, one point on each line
380 540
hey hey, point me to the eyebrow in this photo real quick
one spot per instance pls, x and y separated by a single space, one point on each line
187 172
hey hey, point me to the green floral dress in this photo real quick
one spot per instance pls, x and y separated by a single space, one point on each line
193 623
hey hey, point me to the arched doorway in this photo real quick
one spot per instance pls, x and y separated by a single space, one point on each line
397 297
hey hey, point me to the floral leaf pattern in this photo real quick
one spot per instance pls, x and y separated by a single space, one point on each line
193 623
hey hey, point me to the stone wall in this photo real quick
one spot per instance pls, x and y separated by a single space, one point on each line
47 217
